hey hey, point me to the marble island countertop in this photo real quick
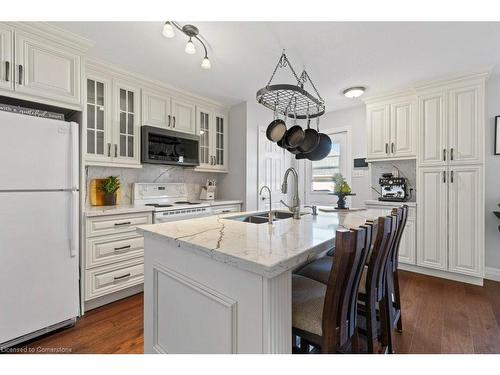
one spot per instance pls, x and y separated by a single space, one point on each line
268 250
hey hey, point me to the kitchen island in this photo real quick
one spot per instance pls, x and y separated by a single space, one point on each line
221 285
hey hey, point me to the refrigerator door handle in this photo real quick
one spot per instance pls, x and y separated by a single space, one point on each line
75 154
74 227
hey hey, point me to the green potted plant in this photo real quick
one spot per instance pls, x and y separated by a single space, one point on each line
341 190
110 185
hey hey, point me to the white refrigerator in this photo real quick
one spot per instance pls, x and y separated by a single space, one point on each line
39 226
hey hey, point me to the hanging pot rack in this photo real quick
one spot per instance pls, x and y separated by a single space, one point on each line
280 97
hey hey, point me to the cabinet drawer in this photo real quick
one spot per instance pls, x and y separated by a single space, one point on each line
108 279
104 225
224 209
111 249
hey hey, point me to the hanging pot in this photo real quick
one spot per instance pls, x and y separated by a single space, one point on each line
311 139
294 136
322 150
276 129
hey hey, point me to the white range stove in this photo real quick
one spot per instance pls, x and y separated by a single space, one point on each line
169 201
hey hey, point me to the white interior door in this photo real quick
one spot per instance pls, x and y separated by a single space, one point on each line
272 166
319 174
38 271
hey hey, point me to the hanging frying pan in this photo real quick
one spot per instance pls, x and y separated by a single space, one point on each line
276 129
323 148
294 136
311 139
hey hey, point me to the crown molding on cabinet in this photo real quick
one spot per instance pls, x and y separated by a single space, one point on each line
101 66
54 34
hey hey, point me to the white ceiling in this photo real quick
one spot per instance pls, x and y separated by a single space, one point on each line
381 56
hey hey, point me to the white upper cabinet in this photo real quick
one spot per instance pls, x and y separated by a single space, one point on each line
163 111
378 131
466 228
156 109
6 59
465 133
451 122
432 227
97 138
432 115
126 123
391 128
183 116
46 69
213 132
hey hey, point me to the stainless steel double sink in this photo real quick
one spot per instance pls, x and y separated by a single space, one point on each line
262 217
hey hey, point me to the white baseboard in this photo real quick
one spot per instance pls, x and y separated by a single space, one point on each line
109 298
442 274
491 273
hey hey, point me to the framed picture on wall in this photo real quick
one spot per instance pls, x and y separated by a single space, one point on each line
497 135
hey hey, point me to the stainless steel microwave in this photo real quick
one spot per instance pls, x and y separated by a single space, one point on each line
162 146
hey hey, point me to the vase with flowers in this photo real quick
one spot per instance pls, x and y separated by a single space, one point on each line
341 190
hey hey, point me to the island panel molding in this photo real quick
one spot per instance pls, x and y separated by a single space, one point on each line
221 329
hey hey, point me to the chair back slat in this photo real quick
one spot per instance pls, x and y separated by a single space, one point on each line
349 257
402 213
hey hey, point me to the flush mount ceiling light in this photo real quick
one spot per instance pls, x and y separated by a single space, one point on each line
191 32
354 92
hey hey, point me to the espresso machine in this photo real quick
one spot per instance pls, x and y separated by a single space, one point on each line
393 189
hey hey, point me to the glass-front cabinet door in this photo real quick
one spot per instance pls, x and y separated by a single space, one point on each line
220 142
204 131
126 137
97 142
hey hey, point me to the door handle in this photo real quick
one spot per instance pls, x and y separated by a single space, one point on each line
444 154
392 147
109 149
7 71
20 75
116 150
121 277
173 125
387 148
451 153
444 177
451 176
124 223
169 121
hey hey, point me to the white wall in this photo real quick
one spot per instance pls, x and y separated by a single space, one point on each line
492 176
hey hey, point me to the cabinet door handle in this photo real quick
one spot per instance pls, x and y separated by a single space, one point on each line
20 75
451 176
7 71
122 277
122 248
123 223
444 154
392 147
387 148
169 121
109 149
116 150
451 154
444 177
173 125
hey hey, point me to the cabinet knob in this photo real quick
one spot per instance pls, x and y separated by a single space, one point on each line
387 148
20 75
116 150
444 177
173 122
451 153
392 147
109 149
169 120
444 154
7 71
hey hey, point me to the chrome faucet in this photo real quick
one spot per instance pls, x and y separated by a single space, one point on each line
295 207
270 214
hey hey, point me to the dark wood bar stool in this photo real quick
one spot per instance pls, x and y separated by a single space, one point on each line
324 316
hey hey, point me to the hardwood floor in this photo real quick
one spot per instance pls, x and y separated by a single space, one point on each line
439 316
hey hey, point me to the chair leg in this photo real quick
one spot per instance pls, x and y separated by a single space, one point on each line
386 329
397 301
371 326
355 347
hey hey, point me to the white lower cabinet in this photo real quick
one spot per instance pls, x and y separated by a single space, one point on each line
113 254
217 210
408 246
450 222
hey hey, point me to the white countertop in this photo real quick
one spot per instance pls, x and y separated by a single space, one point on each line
115 210
390 204
268 250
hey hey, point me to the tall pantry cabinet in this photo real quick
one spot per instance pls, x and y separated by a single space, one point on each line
450 183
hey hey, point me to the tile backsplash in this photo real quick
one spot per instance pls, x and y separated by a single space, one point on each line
406 168
151 173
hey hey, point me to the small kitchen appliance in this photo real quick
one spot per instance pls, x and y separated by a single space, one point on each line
393 189
169 200
208 190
